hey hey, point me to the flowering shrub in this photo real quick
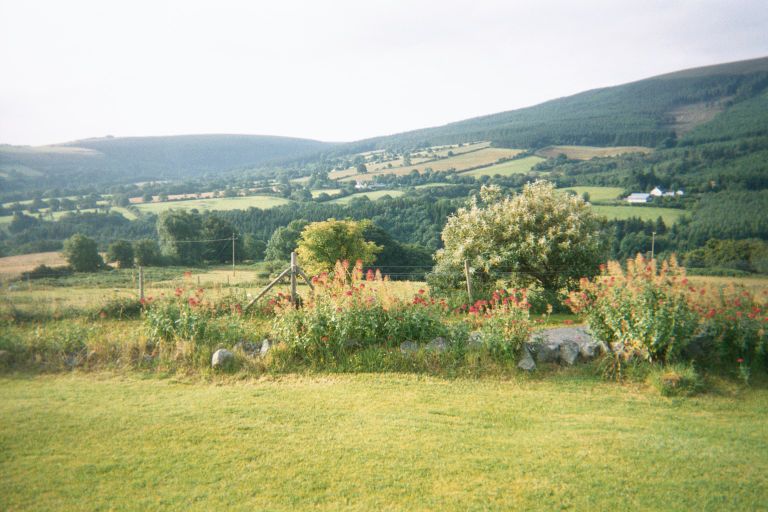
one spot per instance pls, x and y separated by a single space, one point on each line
351 310
646 310
503 321
657 313
189 324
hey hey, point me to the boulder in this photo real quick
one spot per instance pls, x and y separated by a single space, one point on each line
266 346
408 346
589 350
569 352
526 362
221 358
547 352
247 347
438 344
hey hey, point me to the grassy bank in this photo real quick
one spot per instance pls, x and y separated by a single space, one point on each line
362 442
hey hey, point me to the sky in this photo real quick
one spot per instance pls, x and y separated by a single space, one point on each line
335 70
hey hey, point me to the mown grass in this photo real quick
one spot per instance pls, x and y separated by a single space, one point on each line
588 152
367 442
670 215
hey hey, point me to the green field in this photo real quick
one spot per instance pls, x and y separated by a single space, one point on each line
329 191
589 152
373 195
599 194
435 185
219 203
370 442
519 166
670 215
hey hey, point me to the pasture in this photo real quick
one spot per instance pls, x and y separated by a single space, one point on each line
670 215
599 194
11 266
330 191
219 203
373 195
519 166
589 152
361 442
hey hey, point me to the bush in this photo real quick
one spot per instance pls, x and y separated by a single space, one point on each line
645 311
503 321
676 380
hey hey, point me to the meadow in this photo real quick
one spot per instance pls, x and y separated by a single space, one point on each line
518 166
599 195
670 215
372 195
589 152
219 203
110 441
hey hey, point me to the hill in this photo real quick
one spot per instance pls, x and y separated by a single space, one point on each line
643 113
132 159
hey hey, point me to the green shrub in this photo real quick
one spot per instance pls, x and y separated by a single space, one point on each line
676 380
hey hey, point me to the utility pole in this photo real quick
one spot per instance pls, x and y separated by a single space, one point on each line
141 283
653 244
233 254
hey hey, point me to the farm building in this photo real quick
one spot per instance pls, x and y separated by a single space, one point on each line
638 198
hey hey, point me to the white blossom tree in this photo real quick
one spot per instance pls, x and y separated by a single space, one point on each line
540 236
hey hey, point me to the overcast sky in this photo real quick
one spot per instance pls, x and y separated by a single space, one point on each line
335 70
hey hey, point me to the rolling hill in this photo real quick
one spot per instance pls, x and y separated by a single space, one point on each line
131 159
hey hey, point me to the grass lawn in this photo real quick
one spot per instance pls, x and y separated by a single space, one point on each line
219 203
329 191
599 194
519 166
376 194
670 215
371 442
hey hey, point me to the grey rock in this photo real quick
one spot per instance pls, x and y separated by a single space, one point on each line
266 346
352 344
248 347
547 352
526 362
408 346
438 344
221 358
569 352
589 350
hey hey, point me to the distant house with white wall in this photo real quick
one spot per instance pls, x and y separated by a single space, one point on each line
638 197
657 192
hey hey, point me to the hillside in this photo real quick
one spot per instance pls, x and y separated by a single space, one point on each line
132 159
642 113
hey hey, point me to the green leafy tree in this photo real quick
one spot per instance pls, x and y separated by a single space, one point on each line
284 241
219 232
179 232
121 251
539 237
147 252
254 248
322 244
82 254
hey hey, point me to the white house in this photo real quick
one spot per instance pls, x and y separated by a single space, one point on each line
638 197
657 192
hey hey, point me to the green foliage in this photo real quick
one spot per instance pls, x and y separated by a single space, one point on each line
750 255
82 254
179 232
645 312
121 251
540 236
284 241
322 244
147 252
676 380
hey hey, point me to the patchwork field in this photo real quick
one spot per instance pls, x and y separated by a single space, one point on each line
219 203
363 442
670 215
11 266
588 152
519 166
459 162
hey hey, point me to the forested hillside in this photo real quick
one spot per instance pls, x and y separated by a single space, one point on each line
132 159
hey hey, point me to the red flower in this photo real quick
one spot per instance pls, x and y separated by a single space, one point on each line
740 360
421 292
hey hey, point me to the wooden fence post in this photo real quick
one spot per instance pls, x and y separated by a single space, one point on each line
141 283
293 277
469 280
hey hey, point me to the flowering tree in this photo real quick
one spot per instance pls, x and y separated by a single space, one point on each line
540 236
322 244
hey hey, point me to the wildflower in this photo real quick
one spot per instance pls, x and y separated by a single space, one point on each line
740 360
179 291
187 275
421 291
